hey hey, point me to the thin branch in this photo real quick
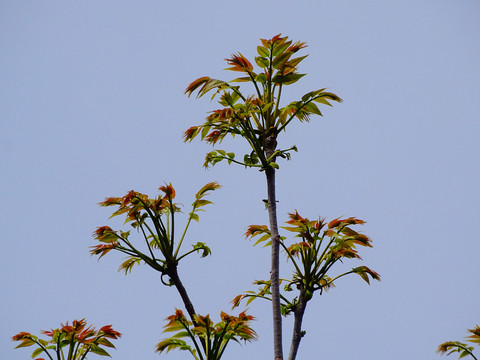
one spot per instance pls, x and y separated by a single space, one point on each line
145 237
184 233
290 257
235 161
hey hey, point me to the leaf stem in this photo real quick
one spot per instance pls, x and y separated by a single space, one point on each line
145 237
184 233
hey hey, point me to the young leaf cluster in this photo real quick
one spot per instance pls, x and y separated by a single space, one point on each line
154 219
321 245
462 349
214 337
258 118
70 342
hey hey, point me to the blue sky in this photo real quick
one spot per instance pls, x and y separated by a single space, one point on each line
92 105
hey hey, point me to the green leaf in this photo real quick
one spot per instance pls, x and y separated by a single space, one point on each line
202 202
312 108
212 158
128 264
281 48
194 216
242 79
175 326
125 234
250 299
292 228
264 238
262 51
25 343
307 96
294 62
43 342
212 84
105 342
279 61
205 130
267 106
181 334
98 350
288 79
364 271
202 246
251 159
322 100
329 96
37 352
171 344
262 62
261 78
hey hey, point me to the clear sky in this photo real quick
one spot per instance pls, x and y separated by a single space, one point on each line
92 105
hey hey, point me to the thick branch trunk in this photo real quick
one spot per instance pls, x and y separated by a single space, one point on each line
274 274
297 325
270 145
173 274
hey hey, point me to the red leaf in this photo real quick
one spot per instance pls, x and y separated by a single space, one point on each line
102 249
196 84
239 62
342 222
254 230
297 46
109 332
168 190
191 133
111 201
21 336
102 230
